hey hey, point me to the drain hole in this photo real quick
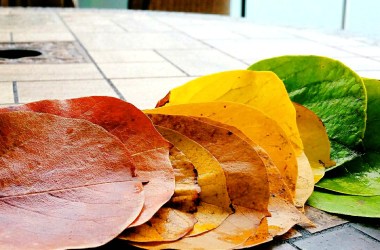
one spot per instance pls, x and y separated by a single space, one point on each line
18 53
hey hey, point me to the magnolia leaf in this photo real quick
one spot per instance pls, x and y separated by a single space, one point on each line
262 90
214 206
233 232
167 224
186 192
175 220
315 140
64 183
245 172
148 150
354 205
361 176
254 124
331 90
372 135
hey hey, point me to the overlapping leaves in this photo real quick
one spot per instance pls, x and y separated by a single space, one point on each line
228 159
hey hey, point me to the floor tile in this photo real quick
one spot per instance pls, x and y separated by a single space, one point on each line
251 50
135 70
360 63
5 37
145 93
375 74
41 37
343 239
6 92
125 56
372 229
210 32
321 220
369 51
132 41
202 62
34 91
22 72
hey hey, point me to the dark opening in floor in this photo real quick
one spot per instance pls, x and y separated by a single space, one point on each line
18 53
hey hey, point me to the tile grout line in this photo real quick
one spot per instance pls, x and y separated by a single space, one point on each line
15 92
166 59
110 83
362 232
202 42
11 38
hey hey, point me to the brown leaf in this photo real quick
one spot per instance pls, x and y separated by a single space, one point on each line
214 206
167 224
148 150
186 193
245 171
233 232
64 183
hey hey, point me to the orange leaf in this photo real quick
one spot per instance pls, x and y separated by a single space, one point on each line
245 171
64 183
148 150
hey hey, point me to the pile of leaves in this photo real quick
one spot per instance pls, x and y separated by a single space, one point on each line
226 160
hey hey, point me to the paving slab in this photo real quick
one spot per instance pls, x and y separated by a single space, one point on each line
343 239
145 93
140 70
40 90
6 92
322 220
38 72
125 56
202 61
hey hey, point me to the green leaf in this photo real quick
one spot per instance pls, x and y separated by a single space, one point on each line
330 89
358 177
372 135
363 206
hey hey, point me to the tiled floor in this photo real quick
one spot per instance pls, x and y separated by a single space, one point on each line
139 56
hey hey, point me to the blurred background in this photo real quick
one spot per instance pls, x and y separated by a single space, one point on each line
355 16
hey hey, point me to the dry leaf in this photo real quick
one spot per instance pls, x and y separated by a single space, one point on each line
167 224
234 231
148 150
64 183
254 124
214 207
244 170
315 140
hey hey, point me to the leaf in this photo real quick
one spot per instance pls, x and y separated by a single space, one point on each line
315 141
364 206
231 233
166 225
331 90
261 90
175 220
357 177
146 147
64 183
254 124
372 137
214 206
246 182
244 170
186 192
361 176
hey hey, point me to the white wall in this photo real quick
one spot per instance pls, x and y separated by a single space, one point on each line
297 13
363 17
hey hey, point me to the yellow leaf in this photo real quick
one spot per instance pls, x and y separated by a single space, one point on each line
260 89
315 140
233 232
245 172
254 124
167 224
186 192
214 207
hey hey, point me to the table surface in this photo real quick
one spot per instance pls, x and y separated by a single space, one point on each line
139 56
